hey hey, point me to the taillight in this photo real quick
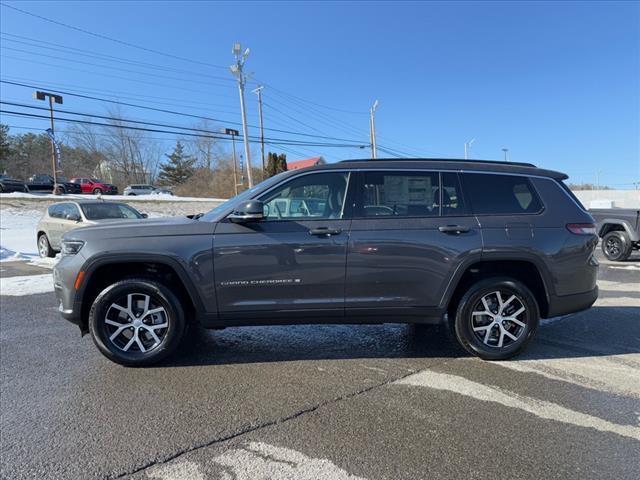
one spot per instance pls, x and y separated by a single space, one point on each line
582 228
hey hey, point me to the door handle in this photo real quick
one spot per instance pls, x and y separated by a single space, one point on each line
325 231
454 229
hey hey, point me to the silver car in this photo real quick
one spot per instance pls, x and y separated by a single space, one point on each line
140 189
64 216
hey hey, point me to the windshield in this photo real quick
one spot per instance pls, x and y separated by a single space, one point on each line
247 194
103 211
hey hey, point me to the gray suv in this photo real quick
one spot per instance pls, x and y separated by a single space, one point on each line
486 248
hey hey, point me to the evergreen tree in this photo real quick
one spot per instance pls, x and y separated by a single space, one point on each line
276 164
178 169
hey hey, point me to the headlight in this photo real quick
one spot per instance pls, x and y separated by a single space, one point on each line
71 247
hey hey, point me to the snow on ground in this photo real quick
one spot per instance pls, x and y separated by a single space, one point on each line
26 285
161 197
18 234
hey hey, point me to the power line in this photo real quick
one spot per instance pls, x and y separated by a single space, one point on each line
109 67
200 135
105 37
172 112
37 43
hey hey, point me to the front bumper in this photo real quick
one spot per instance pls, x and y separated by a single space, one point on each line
64 276
565 304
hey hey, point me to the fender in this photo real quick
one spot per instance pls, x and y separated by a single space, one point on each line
487 257
91 265
633 235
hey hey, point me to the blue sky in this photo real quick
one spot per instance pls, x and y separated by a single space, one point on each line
556 83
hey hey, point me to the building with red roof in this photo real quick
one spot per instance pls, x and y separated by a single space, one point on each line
307 162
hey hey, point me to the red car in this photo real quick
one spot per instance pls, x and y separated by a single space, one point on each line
91 185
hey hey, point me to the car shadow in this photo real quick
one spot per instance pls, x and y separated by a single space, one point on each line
600 331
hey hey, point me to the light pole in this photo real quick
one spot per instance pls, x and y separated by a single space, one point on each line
505 150
236 70
258 91
467 147
233 133
372 129
38 95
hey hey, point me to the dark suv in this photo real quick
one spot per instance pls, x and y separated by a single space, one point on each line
485 247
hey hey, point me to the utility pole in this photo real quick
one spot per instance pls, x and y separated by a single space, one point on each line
233 133
258 91
467 147
505 150
236 69
372 129
38 95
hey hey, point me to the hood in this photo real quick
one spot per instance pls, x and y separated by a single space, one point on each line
144 227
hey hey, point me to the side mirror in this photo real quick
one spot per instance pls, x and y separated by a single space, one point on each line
144 215
250 211
74 217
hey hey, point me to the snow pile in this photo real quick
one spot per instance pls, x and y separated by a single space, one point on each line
26 285
18 234
155 197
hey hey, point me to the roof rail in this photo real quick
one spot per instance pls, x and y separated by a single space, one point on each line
460 160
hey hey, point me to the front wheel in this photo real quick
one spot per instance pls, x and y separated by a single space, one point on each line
97 191
44 247
136 322
496 318
616 246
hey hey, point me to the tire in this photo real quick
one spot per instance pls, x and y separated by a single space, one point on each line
134 345
44 247
489 341
616 246
59 191
97 191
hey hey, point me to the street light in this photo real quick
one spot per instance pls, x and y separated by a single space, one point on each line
505 150
372 129
39 95
467 147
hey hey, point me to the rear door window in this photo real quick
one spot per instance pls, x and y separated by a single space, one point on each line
452 200
494 194
400 194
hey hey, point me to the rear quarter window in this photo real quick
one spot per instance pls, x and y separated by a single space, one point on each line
494 194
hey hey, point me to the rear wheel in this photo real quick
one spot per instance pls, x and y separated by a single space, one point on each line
136 322
44 248
616 246
496 318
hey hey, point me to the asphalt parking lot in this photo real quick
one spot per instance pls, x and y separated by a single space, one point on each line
325 402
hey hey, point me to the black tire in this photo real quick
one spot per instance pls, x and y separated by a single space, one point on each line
97 191
1 188
488 347
616 246
59 190
44 247
103 310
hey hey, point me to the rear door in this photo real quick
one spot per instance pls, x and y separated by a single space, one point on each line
291 264
410 231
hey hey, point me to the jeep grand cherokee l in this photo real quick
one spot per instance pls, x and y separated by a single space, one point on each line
485 247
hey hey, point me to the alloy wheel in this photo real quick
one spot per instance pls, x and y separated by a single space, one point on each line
136 323
497 322
613 247
43 246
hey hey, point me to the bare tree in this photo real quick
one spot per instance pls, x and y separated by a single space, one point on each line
205 148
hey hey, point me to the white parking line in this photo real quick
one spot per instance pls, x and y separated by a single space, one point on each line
599 373
256 461
539 408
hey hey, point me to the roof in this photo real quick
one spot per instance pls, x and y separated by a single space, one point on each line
307 162
449 164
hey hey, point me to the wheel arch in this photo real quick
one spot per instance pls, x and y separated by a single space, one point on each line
526 270
612 224
108 269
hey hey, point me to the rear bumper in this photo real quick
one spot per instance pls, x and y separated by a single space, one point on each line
562 305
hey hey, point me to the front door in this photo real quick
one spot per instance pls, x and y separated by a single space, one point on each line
409 233
292 263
